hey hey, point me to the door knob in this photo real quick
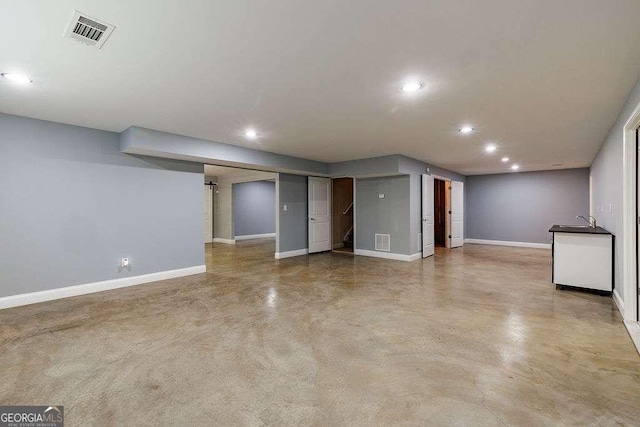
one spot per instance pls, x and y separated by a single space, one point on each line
312 219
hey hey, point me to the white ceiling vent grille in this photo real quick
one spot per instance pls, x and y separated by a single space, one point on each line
88 30
383 242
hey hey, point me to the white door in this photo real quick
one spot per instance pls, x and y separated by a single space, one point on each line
319 214
428 226
208 213
457 214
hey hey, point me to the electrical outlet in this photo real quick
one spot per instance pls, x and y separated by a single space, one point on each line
124 263
284 208
381 196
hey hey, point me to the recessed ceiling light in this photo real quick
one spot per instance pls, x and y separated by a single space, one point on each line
505 159
515 167
490 148
466 129
251 134
411 87
17 78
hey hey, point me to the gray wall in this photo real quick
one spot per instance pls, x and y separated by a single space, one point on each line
521 207
415 169
386 216
607 183
72 206
292 233
222 211
254 208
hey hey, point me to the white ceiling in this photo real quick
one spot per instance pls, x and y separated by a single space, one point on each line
320 79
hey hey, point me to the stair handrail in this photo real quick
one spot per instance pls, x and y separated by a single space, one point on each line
348 208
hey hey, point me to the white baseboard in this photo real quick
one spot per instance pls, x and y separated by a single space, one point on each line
89 288
227 241
505 243
618 301
255 236
634 332
388 255
289 254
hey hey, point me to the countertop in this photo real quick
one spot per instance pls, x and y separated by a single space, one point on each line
577 229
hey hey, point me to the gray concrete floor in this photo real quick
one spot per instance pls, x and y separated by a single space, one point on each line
472 336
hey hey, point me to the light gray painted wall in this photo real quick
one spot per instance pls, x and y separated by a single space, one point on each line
72 205
385 216
254 208
292 233
521 207
607 183
137 140
223 211
415 169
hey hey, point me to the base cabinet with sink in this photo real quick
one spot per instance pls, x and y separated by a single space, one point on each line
583 257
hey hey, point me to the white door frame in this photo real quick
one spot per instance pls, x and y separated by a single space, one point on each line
447 209
629 205
428 217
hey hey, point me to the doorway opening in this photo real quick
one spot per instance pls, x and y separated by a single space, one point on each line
442 210
239 210
440 213
342 213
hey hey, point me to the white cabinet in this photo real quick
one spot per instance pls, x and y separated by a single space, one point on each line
583 260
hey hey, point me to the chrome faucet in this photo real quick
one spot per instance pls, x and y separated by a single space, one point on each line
592 221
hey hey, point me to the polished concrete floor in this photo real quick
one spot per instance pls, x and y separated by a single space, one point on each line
472 336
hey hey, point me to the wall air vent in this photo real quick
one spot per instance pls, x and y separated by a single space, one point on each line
383 242
87 30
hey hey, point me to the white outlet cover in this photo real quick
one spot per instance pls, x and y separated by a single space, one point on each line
381 196
284 208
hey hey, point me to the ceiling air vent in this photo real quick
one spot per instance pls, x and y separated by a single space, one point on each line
383 242
88 30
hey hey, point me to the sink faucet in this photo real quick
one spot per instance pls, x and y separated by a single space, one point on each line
592 221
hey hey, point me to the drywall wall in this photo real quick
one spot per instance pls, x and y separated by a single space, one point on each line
292 232
521 207
388 215
415 169
137 140
607 183
73 205
254 208
223 211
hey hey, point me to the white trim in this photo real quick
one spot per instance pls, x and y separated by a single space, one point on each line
618 300
289 254
255 236
226 241
89 288
505 243
633 328
629 205
388 255
441 178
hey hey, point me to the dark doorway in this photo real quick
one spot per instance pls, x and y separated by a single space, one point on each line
343 215
440 214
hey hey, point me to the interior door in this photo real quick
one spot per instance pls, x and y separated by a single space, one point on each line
319 214
208 213
428 223
457 214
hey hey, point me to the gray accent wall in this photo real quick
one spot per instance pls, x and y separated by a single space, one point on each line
73 205
254 208
389 215
607 183
292 232
521 207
